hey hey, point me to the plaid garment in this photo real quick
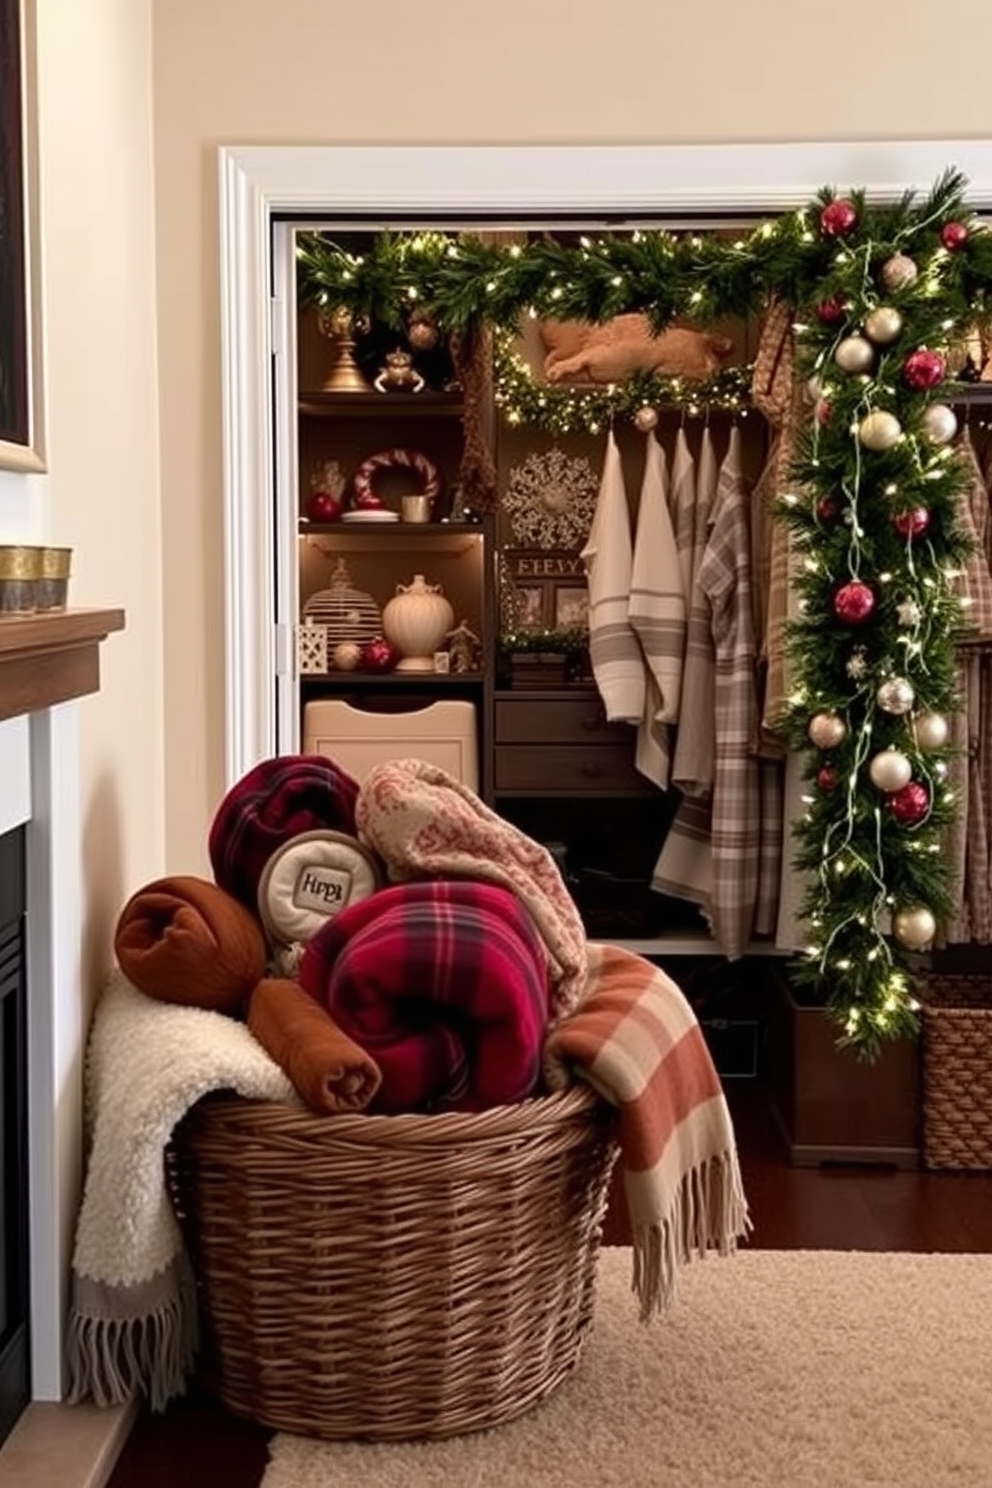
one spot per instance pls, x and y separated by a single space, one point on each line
636 1040
693 764
975 585
657 615
614 650
444 985
955 834
682 503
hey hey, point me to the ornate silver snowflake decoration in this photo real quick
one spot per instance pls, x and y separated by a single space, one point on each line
550 500
857 663
909 612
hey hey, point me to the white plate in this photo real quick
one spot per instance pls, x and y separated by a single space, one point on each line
372 515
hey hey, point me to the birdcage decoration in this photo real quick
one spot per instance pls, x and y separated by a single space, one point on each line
345 613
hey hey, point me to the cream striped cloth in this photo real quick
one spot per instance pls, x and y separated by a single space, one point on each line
614 650
657 615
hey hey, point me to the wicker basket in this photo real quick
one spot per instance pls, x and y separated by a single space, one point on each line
957 1072
389 1277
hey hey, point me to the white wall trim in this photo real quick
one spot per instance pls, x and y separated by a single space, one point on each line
259 183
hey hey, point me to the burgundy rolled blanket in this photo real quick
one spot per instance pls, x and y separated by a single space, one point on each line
328 1069
445 985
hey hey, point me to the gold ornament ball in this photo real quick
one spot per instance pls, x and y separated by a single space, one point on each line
854 354
940 423
896 696
879 430
422 335
915 927
827 730
898 271
883 324
931 730
890 770
346 655
646 419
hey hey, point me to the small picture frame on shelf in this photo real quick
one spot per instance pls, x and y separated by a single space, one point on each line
530 606
571 607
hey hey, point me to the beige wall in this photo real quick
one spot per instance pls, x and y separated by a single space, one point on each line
454 71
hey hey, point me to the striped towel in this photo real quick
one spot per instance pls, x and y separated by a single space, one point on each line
614 650
637 1042
657 615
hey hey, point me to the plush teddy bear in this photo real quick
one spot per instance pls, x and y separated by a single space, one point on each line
580 352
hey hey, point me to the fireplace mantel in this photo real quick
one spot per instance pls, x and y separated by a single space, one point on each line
51 657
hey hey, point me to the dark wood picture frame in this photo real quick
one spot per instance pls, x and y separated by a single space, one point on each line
531 579
570 606
21 446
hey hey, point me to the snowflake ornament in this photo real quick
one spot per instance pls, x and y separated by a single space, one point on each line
550 500
909 612
857 663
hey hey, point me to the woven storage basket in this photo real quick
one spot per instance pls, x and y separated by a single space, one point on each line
388 1277
957 1072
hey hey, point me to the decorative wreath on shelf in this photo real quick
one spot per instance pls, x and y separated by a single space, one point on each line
365 498
550 499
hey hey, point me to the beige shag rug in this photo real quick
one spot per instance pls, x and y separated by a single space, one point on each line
777 1369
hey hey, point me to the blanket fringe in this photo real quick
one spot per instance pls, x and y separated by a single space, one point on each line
111 1360
709 1213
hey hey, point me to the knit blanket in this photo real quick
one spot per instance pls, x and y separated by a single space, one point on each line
424 823
132 1313
636 1040
445 985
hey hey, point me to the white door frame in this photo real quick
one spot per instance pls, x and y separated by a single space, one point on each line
261 183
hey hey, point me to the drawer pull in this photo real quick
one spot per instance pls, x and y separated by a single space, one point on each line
591 770
593 721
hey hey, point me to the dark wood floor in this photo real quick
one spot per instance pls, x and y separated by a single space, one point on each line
197 1444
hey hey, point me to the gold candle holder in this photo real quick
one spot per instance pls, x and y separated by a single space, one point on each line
20 571
53 585
345 375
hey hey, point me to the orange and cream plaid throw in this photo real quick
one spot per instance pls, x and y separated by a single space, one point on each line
637 1041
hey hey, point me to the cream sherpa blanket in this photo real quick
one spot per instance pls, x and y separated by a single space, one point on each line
132 1315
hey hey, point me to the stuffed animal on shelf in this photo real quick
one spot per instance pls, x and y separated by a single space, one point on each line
579 352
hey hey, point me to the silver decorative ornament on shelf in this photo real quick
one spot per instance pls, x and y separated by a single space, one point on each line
827 730
914 927
931 730
940 423
890 770
896 696
883 324
898 271
879 431
646 419
854 354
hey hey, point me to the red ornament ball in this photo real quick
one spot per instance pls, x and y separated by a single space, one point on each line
912 523
379 655
837 218
824 408
832 311
923 369
323 507
953 235
827 778
854 603
909 805
827 510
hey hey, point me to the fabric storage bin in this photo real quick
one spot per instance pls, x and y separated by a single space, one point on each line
392 1276
957 1071
443 733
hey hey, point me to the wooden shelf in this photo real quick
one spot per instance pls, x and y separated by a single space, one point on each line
390 531
50 657
389 681
380 405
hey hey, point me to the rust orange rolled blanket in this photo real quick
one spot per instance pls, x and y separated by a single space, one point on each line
637 1041
328 1069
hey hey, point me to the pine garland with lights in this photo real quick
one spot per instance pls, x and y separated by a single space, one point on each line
880 295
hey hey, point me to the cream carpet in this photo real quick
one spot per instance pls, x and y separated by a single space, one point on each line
777 1369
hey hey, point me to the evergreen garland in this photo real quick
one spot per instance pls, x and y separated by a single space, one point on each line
871 507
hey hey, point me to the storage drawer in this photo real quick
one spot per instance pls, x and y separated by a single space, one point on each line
600 769
564 720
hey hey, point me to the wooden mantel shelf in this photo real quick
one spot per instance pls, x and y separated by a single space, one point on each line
51 657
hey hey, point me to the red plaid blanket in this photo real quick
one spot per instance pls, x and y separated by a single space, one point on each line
636 1040
445 985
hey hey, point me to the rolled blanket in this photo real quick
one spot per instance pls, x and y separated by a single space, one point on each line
328 1069
445 984
424 823
278 799
182 939
636 1040
132 1315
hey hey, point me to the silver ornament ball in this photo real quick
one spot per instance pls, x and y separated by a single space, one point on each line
895 695
883 324
827 730
939 423
931 730
879 430
890 770
914 927
646 419
898 271
854 354
346 655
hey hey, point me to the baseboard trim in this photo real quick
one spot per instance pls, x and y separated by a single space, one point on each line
65 1446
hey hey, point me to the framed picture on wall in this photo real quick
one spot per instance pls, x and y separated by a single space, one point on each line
571 607
21 442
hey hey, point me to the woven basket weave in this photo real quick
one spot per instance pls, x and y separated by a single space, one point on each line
957 1072
389 1277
